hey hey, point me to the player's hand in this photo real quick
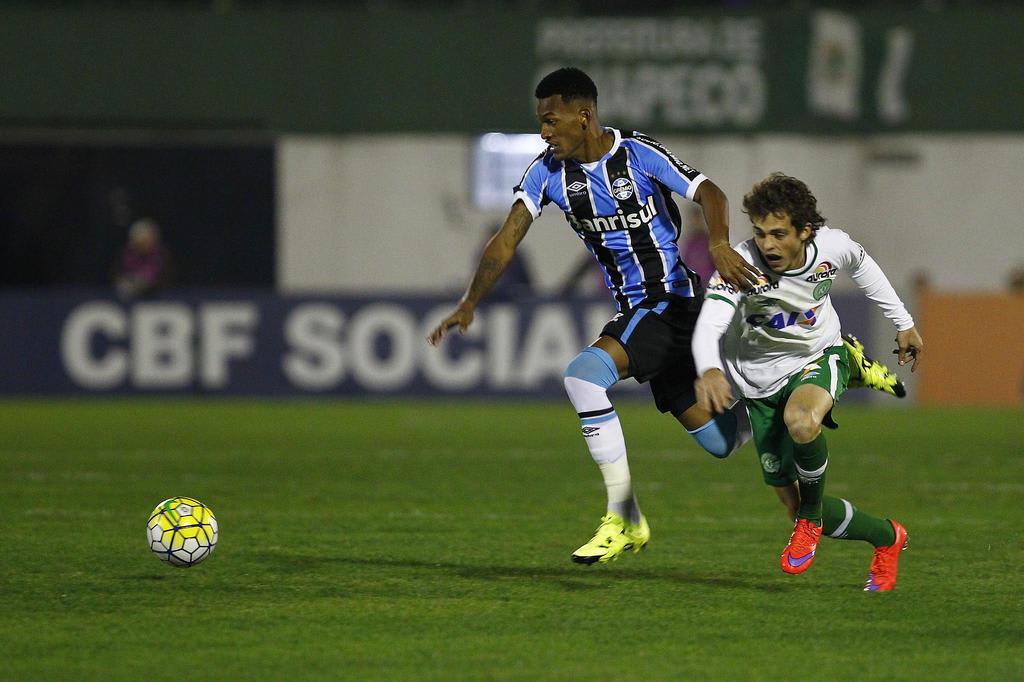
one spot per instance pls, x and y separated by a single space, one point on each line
909 347
714 393
462 317
732 267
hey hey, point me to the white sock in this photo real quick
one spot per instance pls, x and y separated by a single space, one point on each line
602 432
619 485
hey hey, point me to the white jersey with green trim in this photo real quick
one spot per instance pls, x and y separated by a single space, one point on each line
787 321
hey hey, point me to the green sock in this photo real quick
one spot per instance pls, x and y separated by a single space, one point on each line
842 521
811 461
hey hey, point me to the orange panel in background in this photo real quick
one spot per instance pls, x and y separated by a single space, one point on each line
974 349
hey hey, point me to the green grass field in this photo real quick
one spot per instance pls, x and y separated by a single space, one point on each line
397 540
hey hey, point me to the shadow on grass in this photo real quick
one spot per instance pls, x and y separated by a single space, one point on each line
571 577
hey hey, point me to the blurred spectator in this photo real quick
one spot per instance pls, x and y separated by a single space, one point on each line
1015 280
693 244
921 282
144 267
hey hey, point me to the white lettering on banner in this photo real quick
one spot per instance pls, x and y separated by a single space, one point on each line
680 94
836 65
227 332
502 333
684 73
161 344
444 371
162 351
395 324
315 359
550 345
732 38
892 97
85 322
378 347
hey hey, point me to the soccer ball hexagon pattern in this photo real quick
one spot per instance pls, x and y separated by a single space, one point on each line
182 531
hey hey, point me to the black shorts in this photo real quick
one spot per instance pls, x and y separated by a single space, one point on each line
656 334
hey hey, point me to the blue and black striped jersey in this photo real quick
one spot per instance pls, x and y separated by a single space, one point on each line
621 207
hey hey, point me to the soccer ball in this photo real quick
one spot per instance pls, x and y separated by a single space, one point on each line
182 531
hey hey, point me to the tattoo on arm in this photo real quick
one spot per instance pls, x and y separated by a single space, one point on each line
487 273
519 223
498 253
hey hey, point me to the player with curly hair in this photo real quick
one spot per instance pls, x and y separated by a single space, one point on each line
779 344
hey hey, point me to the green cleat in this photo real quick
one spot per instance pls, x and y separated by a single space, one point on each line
613 537
869 373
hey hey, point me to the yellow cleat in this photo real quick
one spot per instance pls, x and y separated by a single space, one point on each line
869 373
639 534
613 537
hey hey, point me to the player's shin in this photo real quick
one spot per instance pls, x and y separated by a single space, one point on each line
843 521
811 461
586 381
726 432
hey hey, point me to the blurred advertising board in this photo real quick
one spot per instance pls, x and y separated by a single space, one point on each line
980 363
257 343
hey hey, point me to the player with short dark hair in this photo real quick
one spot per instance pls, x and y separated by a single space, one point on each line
615 190
783 353
569 83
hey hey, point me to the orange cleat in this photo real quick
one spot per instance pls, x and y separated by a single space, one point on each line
799 553
883 566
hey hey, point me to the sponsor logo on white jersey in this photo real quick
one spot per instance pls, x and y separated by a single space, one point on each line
763 285
781 320
716 283
825 270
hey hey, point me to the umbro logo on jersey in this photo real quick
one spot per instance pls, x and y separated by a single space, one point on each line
589 431
576 186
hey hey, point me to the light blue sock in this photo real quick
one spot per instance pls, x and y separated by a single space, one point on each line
726 431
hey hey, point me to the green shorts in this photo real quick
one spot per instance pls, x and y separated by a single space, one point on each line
774 446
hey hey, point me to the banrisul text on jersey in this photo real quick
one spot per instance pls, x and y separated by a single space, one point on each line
621 207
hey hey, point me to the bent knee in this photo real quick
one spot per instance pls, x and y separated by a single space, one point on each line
802 425
593 365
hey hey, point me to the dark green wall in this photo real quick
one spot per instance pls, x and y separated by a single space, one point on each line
340 71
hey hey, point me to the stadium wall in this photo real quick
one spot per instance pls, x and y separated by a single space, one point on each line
385 67
939 206
980 364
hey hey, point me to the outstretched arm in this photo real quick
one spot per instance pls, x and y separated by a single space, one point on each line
732 267
495 258
875 285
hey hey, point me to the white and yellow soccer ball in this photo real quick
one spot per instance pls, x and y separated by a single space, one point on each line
182 531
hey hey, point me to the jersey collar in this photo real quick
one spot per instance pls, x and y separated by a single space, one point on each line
611 152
